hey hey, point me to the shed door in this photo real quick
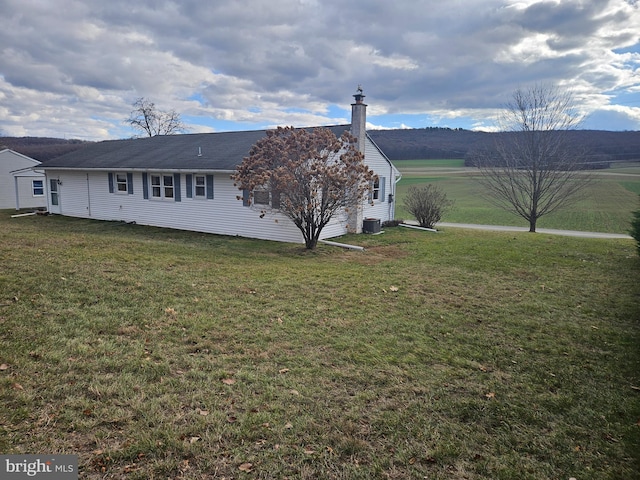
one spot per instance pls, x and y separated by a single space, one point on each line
54 196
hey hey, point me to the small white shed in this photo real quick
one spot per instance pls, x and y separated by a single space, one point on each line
22 185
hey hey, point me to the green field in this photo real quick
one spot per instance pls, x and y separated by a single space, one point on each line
155 354
436 163
606 206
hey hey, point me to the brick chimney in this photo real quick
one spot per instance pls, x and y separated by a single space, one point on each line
358 130
359 118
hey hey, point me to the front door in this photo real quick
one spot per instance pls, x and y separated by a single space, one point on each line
54 196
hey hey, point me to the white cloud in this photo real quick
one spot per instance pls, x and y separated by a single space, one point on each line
73 68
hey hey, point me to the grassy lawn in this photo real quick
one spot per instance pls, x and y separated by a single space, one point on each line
157 354
607 205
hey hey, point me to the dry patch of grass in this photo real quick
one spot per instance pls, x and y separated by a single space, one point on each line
160 354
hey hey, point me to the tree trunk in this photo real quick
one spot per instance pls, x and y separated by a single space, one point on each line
532 225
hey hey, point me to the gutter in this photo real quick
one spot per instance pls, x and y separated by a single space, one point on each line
137 169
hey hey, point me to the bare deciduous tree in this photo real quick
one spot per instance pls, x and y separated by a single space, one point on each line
151 122
307 175
534 169
427 204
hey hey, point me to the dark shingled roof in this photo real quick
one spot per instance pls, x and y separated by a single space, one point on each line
219 151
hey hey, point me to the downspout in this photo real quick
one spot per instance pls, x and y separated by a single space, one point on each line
88 196
15 180
46 191
395 188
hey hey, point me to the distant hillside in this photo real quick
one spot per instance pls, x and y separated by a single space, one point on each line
419 143
431 143
41 148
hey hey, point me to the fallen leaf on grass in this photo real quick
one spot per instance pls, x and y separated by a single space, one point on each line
204 413
193 440
228 381
637 389
288 425
490 395
170 311
309 451
393 289
4 366
246 467
17 386
283 370
294 392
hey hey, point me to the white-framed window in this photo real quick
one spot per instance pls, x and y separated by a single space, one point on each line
200 186
162 186
121 183
38 188
261 196
375 189
376 194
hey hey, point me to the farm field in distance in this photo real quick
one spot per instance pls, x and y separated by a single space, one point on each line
606 206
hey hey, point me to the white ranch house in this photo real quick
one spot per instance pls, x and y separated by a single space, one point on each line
183 182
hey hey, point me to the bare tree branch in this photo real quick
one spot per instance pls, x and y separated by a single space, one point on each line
152 122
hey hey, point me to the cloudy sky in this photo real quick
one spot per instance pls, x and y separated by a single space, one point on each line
73 68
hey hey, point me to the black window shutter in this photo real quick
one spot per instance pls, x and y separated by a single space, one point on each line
176 186
210 187
189 186
130 183
110 182
245 198
145 185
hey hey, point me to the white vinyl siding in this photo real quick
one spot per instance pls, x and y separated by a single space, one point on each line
86 194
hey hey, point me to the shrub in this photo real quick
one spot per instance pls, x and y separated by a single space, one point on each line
635 229
427 204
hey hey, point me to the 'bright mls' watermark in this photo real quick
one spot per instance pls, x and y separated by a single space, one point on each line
47 467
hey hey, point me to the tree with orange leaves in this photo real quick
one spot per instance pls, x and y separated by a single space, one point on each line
307 175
